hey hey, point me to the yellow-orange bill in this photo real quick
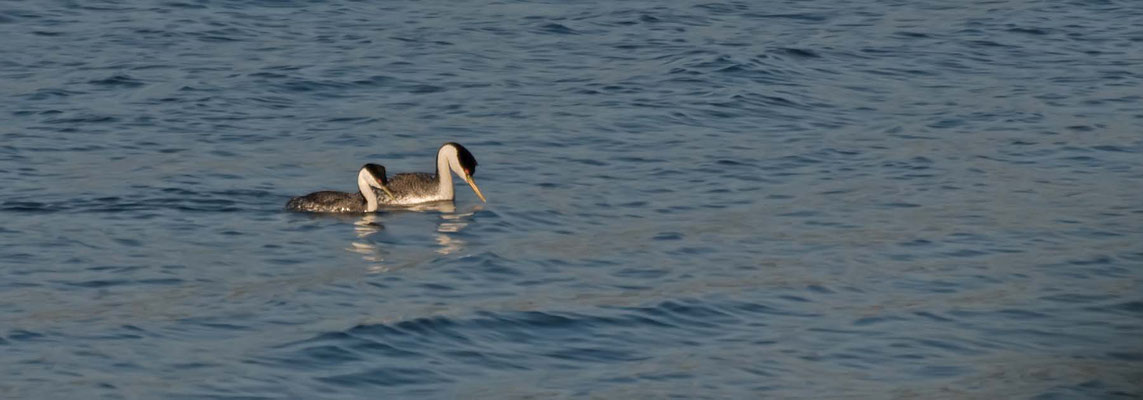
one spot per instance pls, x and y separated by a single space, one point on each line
474 188
388 192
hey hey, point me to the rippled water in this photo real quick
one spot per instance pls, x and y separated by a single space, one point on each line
815 199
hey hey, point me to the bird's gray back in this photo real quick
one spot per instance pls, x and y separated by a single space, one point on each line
413 184
328 201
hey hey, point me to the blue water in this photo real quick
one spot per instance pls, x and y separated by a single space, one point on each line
812 199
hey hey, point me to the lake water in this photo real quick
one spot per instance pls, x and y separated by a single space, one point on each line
812 199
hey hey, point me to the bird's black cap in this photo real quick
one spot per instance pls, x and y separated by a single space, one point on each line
378 171
467 161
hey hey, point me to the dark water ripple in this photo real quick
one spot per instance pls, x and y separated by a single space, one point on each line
713 200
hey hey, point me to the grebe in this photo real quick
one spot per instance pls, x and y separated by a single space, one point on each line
371 176
421 187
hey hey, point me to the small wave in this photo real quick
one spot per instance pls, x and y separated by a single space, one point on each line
83 119
554 28
796 52
1029 31
807 17
482 340
385 376
51 93
124 81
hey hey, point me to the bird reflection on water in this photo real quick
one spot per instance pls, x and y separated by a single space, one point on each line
451 223
371 253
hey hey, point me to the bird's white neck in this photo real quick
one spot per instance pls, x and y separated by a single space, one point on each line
363 178
447 163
